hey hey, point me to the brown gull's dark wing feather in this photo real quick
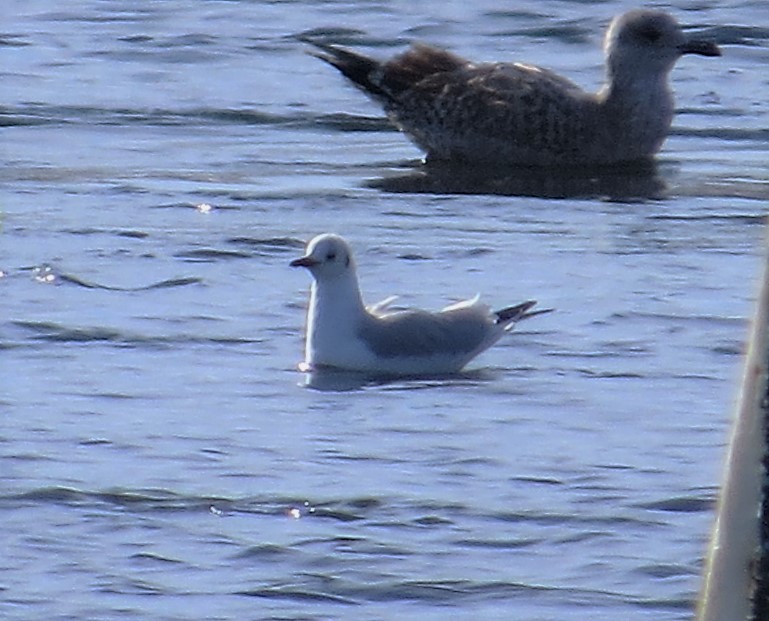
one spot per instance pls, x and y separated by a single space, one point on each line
416 64
386 81
358 68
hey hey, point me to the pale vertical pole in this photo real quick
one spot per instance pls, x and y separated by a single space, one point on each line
734 547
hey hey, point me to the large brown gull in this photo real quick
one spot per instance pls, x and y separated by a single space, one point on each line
518 114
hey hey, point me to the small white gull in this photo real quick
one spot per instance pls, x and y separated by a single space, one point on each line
343 333
521 115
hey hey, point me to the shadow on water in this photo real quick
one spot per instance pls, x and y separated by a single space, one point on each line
630 182
328 379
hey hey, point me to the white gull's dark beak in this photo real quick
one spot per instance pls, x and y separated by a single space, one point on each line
307 261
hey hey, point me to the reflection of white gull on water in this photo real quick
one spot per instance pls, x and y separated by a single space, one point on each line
343 333
517 114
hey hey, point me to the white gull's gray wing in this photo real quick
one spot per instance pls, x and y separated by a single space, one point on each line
459 332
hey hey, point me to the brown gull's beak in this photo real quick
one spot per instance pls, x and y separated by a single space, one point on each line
701 47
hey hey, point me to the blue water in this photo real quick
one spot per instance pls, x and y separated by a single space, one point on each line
160 455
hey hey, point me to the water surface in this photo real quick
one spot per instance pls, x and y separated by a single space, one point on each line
162 457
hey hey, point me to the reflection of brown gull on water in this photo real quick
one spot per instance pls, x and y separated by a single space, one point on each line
517 114
633 181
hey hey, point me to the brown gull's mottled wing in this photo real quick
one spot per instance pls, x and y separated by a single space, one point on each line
501 110
420 62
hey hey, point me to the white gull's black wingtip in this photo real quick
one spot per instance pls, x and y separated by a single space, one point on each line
518 312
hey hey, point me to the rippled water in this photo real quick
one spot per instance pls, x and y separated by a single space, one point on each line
161 456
